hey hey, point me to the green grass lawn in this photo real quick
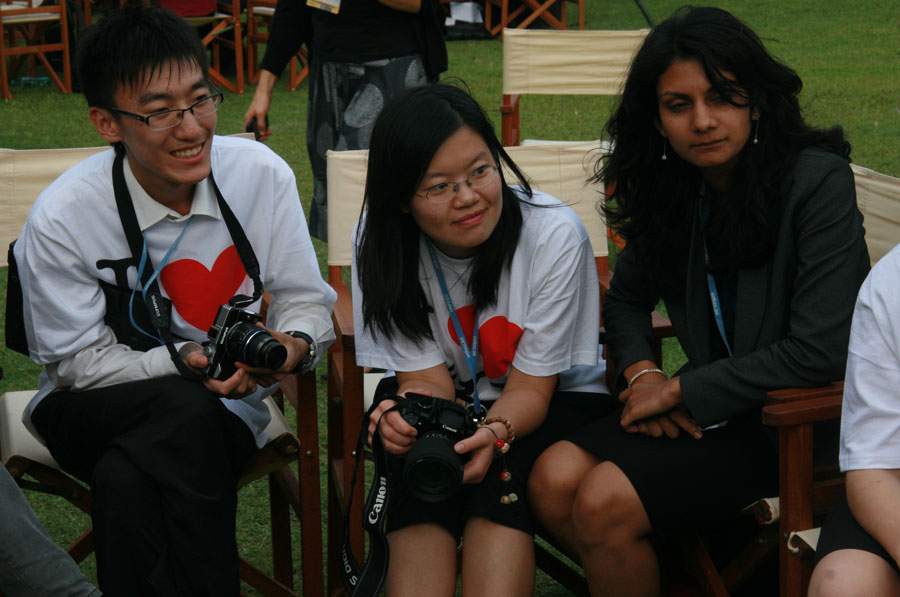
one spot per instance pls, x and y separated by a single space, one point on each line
848 54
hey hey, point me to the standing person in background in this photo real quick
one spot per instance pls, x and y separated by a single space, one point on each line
743 219
359 58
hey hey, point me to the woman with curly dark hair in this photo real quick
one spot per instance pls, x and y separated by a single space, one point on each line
743 219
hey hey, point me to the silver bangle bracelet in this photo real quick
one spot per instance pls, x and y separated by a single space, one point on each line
642 371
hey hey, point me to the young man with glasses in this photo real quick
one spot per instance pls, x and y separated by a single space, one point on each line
125 261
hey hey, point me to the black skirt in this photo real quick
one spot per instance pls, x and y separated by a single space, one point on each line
684 482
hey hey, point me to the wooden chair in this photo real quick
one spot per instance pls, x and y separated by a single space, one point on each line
557 168
561 63
529 11
805 491
23 175
222 29
259 16
22 27
31 465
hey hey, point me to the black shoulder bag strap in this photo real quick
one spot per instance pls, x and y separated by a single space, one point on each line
159 307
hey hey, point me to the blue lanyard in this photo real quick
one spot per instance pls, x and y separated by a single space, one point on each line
470 355
145 287
711 283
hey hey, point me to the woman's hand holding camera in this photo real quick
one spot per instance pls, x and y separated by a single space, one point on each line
397 436
481 446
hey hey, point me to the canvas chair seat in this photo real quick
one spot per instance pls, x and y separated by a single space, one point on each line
17 441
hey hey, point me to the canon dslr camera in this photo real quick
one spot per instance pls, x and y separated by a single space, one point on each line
433 471
235 337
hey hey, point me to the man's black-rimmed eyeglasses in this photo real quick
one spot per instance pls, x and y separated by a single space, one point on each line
167 119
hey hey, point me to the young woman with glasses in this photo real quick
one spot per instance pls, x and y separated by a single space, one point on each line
743 219
446 243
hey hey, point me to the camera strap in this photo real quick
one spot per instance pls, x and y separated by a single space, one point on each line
159 307
367 581
471 355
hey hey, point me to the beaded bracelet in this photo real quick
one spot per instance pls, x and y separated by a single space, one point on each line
510 434
501 447
643 371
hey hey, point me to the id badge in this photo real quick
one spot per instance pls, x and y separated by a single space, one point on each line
332 6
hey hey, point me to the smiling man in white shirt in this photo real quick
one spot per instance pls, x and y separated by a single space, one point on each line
125 261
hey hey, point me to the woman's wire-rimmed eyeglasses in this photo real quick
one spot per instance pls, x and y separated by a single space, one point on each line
446 191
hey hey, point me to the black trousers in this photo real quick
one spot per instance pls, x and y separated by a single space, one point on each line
162 457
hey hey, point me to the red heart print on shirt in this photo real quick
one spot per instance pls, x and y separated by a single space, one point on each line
497 340
196 292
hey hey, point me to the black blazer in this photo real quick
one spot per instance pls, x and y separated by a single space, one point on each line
792 313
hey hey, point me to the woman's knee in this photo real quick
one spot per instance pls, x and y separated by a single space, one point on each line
851 573
607 507
554 480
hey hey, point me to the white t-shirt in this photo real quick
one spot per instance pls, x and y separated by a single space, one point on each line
546 320
73 237
870 422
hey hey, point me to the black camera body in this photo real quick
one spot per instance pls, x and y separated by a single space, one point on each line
235 337
433 471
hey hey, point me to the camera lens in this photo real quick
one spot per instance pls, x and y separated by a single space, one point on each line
255 346
433 471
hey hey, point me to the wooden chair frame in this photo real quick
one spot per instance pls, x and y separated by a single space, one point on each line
537 9
259 15
286 492
28 22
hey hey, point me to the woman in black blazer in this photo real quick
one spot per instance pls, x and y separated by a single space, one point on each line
743 219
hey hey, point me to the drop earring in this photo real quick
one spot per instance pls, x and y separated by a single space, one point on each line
756 129
665 141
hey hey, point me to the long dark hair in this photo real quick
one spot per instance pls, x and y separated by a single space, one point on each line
654 201
408 132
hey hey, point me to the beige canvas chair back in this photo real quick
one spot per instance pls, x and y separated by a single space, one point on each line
567 62
24 173
560 169
878 197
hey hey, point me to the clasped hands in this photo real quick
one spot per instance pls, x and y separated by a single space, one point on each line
397 437
653 406
245 380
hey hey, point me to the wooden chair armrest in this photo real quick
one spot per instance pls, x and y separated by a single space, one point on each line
801 412
794 394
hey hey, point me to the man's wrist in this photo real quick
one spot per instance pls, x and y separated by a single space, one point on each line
304 363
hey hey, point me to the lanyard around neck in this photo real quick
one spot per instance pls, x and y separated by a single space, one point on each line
711 281
145 260
471 355
158 307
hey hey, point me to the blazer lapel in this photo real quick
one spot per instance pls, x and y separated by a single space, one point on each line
697 301
750 308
